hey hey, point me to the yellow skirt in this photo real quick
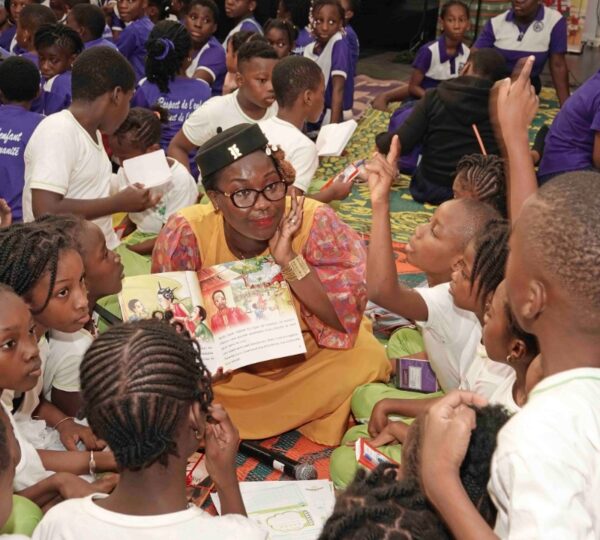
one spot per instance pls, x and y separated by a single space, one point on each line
310 393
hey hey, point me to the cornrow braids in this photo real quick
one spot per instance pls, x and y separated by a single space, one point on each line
137 382
484 176
168 47
283 25
491 253
142 126
377 506
60 35
27 252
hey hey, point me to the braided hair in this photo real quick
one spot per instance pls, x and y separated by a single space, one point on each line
484 177
491 253
138 381
27 252
168 47
142 127
60 35
285 26
377 506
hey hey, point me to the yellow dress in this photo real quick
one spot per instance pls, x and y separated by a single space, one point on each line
310 392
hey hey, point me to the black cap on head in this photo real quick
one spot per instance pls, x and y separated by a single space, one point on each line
229 146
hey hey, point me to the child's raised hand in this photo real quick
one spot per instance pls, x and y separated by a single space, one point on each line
446 432
71 433
5 214
221 445
137 198
515 103
382 170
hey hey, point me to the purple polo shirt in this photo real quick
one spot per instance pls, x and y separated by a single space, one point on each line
132 44
7 36
211 57
57 93
545 35
100 42
249 23
184 97
569 144
304 38
437 65
16 127
352 38
32 57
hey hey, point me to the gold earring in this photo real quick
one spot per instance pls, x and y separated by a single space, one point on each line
509 359
197 435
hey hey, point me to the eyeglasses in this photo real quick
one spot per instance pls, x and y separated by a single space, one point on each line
245 198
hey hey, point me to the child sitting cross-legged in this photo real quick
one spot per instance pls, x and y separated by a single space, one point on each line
167 84
57 46
390 502
299 89
252 102
332 52
20 371
208 55
153 424
138 135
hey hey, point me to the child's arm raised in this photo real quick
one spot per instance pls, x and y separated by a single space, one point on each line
131 199
382 280
514 108
337 98
222 441
446 432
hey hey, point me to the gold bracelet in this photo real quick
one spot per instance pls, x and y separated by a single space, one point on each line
296 269
63 420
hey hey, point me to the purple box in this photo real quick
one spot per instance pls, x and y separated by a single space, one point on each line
416 375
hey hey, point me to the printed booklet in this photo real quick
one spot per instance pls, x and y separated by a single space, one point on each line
241 312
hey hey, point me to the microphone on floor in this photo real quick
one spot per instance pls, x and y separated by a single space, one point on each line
279 462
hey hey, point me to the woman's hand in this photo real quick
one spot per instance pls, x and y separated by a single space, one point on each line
382 170
280 244
221 445
71 433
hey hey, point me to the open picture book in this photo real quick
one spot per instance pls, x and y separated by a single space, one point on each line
241 312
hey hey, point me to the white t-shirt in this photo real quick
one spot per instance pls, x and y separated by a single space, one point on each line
492 380
62 367
82 518
219 112
61 157
451 336
29 470
299 150
183 192
545 476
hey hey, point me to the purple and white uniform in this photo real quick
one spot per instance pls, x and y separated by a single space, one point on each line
250 24
100 42
184 97
545 35
8 40
304 38
57 93
211 58
437 65
16 126
132 44
335 60
569 144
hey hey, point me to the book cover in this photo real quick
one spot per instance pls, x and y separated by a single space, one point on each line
415 374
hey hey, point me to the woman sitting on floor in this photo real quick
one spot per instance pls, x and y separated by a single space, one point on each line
324 263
